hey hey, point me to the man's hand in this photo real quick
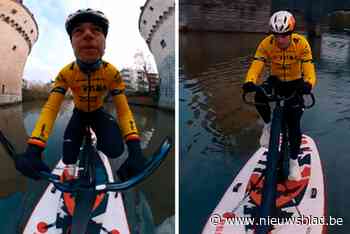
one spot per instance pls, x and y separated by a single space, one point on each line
135 163
30 164
249 87
306 88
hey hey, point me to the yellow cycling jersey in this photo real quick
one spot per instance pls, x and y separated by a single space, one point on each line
289 64
88 94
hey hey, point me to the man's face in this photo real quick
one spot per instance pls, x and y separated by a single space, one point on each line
88 42
283 40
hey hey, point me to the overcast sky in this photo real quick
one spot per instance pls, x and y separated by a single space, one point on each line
52 51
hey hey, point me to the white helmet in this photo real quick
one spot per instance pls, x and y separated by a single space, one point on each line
282 22
87 15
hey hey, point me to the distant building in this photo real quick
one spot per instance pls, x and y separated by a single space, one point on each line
18 33
129 79
135 80
157 27
153 80
142 83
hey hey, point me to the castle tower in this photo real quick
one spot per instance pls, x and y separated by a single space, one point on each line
157 27
18 33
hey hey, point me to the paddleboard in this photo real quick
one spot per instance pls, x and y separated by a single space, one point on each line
53 212
300 204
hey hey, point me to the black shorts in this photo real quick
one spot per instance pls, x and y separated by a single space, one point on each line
109 138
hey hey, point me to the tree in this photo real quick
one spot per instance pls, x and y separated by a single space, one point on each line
142 63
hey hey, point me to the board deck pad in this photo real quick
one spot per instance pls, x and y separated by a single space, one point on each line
53 212
301 200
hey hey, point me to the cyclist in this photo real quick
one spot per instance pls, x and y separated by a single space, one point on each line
90 78
291 69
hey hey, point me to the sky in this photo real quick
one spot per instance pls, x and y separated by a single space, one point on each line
53 50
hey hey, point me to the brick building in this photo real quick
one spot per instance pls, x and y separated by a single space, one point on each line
18 33
224 15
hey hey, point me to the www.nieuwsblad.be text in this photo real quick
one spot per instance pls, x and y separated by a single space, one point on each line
217 219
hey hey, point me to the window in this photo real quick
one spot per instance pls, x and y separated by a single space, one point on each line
14 47
14 11
31 31
144 22
163 43
3 89
151 8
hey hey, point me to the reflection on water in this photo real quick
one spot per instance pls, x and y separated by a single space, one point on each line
153 204
10 179
219 133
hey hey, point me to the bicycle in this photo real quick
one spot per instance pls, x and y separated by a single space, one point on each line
93 182
278 152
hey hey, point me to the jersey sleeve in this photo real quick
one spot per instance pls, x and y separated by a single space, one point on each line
257 66
124 115
308 67
49 112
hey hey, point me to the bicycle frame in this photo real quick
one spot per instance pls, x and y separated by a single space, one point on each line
275 156
268 203
84 200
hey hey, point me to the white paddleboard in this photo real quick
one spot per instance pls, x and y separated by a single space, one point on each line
300 203
52 214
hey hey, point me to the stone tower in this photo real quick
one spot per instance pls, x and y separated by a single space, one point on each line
18 33
157 27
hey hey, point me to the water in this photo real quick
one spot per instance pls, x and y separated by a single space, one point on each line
219 132
18 195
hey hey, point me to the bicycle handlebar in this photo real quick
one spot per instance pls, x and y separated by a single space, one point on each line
273 97
75 185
